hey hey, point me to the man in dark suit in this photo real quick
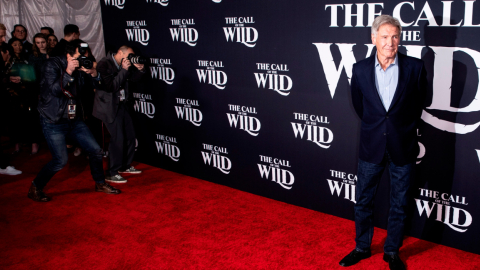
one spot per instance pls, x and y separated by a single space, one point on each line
20 32
388 93
70 32
112 107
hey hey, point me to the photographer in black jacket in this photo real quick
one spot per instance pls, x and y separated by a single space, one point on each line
111 107
61 115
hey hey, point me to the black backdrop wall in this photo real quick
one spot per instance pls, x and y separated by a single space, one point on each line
255 95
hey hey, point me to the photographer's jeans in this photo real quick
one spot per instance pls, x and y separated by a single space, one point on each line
55 134
369 175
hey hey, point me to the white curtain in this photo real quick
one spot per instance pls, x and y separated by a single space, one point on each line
34 14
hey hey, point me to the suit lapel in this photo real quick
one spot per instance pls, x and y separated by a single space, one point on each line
370 75
403 76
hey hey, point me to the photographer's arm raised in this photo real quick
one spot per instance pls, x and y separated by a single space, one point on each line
55 77
112 82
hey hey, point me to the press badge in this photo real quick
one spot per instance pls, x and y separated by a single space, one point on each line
72 109
122 95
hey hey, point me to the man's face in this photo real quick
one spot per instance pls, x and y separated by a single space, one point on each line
20 33
45 32
76 36
386 41
3 35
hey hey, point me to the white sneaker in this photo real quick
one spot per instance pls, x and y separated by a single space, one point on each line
10 170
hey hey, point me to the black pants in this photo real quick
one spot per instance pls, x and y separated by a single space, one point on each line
122 142
95 126
4 160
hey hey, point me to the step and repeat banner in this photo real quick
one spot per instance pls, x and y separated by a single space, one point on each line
255 95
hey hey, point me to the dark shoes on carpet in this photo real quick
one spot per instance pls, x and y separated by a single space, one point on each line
37 194
104 187
394 262
354 257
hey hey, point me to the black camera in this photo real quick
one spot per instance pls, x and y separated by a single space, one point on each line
136 59
84 61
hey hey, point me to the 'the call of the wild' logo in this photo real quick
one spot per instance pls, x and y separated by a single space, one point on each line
138 32
241 118
208 72
272 168
216 156
185 32
311 129
269 77
186 111
240 32
144 105
455 217
166 146
116 3
160 69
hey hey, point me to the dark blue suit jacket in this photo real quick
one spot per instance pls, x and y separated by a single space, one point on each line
394 130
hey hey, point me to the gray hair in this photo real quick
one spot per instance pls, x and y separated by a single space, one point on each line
385 19
124 48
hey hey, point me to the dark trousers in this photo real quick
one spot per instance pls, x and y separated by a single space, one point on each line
122 142
369 175
96 127
55 134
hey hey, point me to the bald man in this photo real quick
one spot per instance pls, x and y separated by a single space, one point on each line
113 108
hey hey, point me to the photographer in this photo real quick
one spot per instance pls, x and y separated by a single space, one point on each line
61 115
111 107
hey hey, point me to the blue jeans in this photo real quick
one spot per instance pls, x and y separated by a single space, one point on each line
55 134
369 175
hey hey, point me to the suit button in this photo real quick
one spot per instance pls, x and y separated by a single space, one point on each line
387 116
384 133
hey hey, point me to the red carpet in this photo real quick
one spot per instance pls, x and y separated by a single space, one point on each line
164 220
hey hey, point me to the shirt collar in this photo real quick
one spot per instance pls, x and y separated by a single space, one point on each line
395 62
115 61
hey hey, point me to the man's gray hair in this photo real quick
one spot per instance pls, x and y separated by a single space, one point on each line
385 19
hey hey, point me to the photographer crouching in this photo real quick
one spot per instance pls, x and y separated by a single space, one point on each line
119 72
61 115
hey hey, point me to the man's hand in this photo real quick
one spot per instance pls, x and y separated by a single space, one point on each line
6 57
126 63
15 79
72 64
139 66
92 71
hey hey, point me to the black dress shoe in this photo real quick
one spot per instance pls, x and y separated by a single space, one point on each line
37 194
104 187
394 262
354 257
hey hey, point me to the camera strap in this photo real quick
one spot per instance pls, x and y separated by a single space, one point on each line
71 106
65 91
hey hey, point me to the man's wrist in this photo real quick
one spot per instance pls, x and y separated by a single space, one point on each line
96 76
